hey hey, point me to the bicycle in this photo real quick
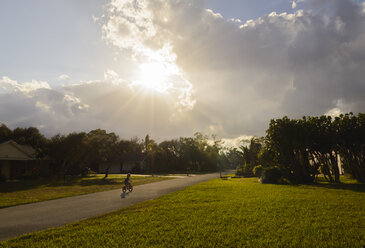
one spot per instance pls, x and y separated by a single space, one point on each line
127 187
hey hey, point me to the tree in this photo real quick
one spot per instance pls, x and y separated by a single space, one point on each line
31 136
151 149
102 147
303 147
5 133
287 140
168 157
68 153
232 158
351 143
250 156
188 154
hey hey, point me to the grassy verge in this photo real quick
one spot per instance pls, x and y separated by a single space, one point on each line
224 213
29 191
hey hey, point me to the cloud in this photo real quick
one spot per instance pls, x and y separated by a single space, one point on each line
36 104
226 77
131 27
294 5
237 142
334 112
26 88
63 77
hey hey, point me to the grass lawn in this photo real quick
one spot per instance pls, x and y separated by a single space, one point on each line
224 213
28 191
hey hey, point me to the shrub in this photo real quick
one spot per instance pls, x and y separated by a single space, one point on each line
270 175
257 170
247 170
244 170
239 171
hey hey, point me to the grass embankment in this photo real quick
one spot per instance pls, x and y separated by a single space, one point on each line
29 191
224 213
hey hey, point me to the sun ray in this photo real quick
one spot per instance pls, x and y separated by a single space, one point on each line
124 106
152 115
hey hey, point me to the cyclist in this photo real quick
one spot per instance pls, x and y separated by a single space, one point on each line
127 181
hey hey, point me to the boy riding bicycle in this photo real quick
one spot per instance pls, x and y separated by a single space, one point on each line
127 181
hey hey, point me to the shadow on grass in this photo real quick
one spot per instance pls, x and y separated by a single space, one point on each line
99 182
357 187
13 186
346 185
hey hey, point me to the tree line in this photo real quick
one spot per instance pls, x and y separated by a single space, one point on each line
302 148
298 150
75 153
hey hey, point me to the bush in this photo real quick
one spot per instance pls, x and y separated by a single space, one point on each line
257 170
239 171
244 170
270 175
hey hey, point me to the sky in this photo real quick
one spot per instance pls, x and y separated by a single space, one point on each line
170 68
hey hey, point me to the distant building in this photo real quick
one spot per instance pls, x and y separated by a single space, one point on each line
19 161
130 162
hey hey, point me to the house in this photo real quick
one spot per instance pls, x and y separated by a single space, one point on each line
18 161
129 162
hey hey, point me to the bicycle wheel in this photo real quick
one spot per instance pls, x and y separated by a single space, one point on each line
124 189
130 188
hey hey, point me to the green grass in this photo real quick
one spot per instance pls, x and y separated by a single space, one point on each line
224 213
29 191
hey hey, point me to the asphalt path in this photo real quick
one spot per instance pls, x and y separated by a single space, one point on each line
23 219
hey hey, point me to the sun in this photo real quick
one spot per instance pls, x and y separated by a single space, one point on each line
155 76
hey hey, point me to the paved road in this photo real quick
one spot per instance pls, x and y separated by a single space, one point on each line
18 220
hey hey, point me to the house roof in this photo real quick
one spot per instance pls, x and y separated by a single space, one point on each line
10 150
